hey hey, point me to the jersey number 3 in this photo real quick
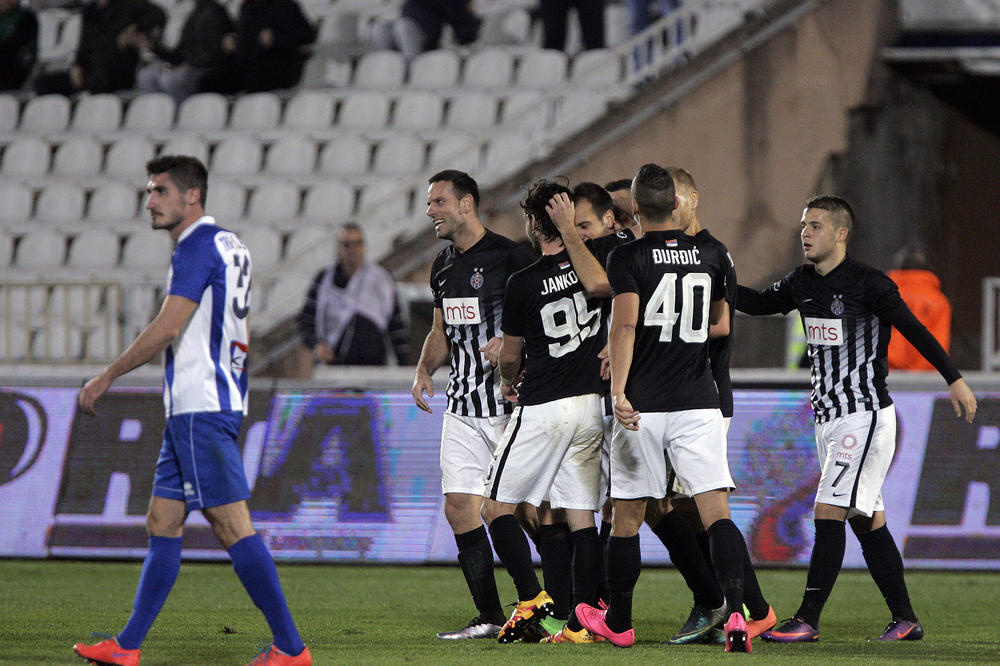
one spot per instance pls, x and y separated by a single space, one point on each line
662 308
578 323
242 263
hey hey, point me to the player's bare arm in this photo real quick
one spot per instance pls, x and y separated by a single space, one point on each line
718 319
621 341
511 353
592 276
962 398
168 324
432 355
491 351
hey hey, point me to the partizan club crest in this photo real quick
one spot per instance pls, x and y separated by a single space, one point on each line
837 307
477 278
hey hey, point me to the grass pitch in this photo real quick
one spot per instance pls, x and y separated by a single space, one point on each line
389 615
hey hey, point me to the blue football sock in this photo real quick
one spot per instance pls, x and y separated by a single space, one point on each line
255 568
159 571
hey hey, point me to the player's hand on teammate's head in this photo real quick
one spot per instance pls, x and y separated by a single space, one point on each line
562 211
962 398
422 383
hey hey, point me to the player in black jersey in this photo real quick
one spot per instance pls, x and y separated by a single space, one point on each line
467 280
667 290
551 449
848 310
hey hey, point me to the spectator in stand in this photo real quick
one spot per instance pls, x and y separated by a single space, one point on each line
272 34
208 40
352 307
106 59
921 291
640 17
420 24
555 14
18 44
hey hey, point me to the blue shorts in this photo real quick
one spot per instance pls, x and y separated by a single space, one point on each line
199 462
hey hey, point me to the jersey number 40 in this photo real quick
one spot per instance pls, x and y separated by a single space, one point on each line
664 308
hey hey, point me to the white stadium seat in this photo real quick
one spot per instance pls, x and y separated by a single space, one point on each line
225 201
418 110
256 111
45 113
597 68
97 113
365 109
542 68
61 204
26 157
41 248
15 203
113 203
94 248
387 200
309 109
186 145
78 156
9 112
526 109
147 251
274 202
127 157
344 156
472 110
291 156
491 68
381 70
264 244
401 154
237 156
203 111
435 69
152 112
456 151
331 201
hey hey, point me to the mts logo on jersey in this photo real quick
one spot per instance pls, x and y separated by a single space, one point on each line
824 331
461 311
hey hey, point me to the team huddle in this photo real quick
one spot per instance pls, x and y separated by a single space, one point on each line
596 378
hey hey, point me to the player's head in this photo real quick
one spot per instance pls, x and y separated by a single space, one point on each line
350 247
593 215
653 193
686 194
452 200
621 193
177 187
827 222
539 225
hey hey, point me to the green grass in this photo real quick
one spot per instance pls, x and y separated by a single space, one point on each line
389 615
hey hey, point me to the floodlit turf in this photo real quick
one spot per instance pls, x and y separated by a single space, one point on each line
389 615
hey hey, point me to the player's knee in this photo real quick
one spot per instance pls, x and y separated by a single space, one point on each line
160 525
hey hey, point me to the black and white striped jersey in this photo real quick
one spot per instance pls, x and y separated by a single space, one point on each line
847 315
720 349
677 279
468 287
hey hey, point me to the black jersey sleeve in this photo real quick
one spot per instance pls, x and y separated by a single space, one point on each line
436 291
884 300
776 298
514 307
620 277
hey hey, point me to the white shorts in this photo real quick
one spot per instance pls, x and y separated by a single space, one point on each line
550 452
609 428
695 444
675 487
467 446
855 452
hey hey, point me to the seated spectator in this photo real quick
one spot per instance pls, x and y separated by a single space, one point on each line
106 59
18 44
555 14
421 23
921 291
271 37
208 40
352 309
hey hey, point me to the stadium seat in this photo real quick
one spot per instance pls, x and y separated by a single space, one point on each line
401 154
366 109
94 248
320 239
9 112
274 202
26 157
61 204
506 153
492 68
526 109
113 203
542 68
15 204
332 201
597 68
237 156
579 108
291 156
418 110
203 111
127 157
41 248
264 244
383 203
97 113
435 69
456 151
102 342
186 145
472 111
380 70
147 251
6 249
344 156
152 112
58 36
78 156
225 202
309 109
256 111
45 113
58 341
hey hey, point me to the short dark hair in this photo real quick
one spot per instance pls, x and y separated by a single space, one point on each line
187 172
681 177
620 184
351 225
841 213
598 197
461 182
653 192
535 201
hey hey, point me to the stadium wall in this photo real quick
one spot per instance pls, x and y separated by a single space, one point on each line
351 474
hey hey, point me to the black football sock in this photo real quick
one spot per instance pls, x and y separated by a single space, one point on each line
602 547
824 567
753 597
728 548
623 562
511 545
586 569
886 567
556 550
682 544
475 556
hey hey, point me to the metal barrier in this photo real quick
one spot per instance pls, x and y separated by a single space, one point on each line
991 324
